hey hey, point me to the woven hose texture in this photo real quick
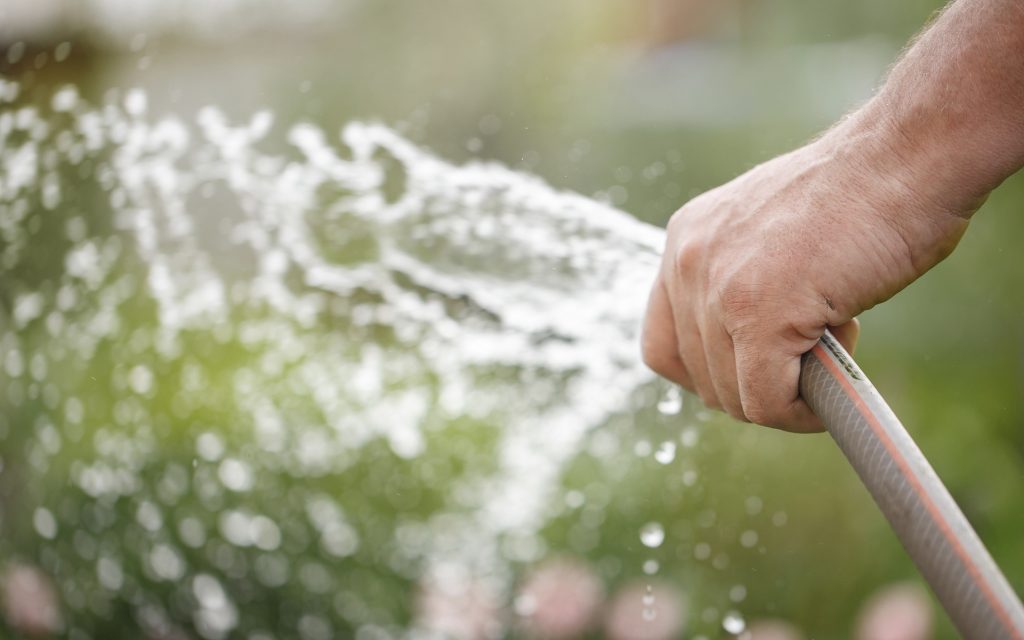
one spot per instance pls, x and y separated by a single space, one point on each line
935 533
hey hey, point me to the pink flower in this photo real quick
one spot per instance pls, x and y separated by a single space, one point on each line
646 610
898 612
458 606
559 599
30 603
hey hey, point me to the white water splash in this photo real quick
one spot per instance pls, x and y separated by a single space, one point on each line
325 296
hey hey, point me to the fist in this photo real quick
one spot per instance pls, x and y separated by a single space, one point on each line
754 271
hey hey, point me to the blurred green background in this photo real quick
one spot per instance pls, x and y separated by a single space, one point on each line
641 104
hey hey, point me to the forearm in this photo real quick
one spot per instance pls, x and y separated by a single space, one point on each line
951 113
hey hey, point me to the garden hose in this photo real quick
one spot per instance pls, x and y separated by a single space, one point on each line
937 536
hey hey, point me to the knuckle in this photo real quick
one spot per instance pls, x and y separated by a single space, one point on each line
655 356
674 222
759 409
687 257
735 409
678 219
758 413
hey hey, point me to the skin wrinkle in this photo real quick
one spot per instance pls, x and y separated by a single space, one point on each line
659 348
723 374
707 392
689 346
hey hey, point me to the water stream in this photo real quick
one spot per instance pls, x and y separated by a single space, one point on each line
247 364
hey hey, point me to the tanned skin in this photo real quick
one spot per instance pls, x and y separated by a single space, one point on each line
754 271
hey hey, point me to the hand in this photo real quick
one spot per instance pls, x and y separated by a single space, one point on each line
755 270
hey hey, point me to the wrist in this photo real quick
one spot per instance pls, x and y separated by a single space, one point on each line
907 170
947 158
900 181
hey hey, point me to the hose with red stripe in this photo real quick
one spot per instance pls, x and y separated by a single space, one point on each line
935 533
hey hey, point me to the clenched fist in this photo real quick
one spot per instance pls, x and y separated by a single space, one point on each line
754 271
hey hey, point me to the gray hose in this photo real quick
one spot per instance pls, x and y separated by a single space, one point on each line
934 531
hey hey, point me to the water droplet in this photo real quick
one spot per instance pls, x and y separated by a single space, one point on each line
651 567
210 446
642 448
672 403
44 522
525 605
166 563
689 437
748 538
754 505
649 613
666 452
652 535
734 623
648 598
720 561
141 379
235 475
575 499
738 593
15 52
60 54
65 99
110 574
135 102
